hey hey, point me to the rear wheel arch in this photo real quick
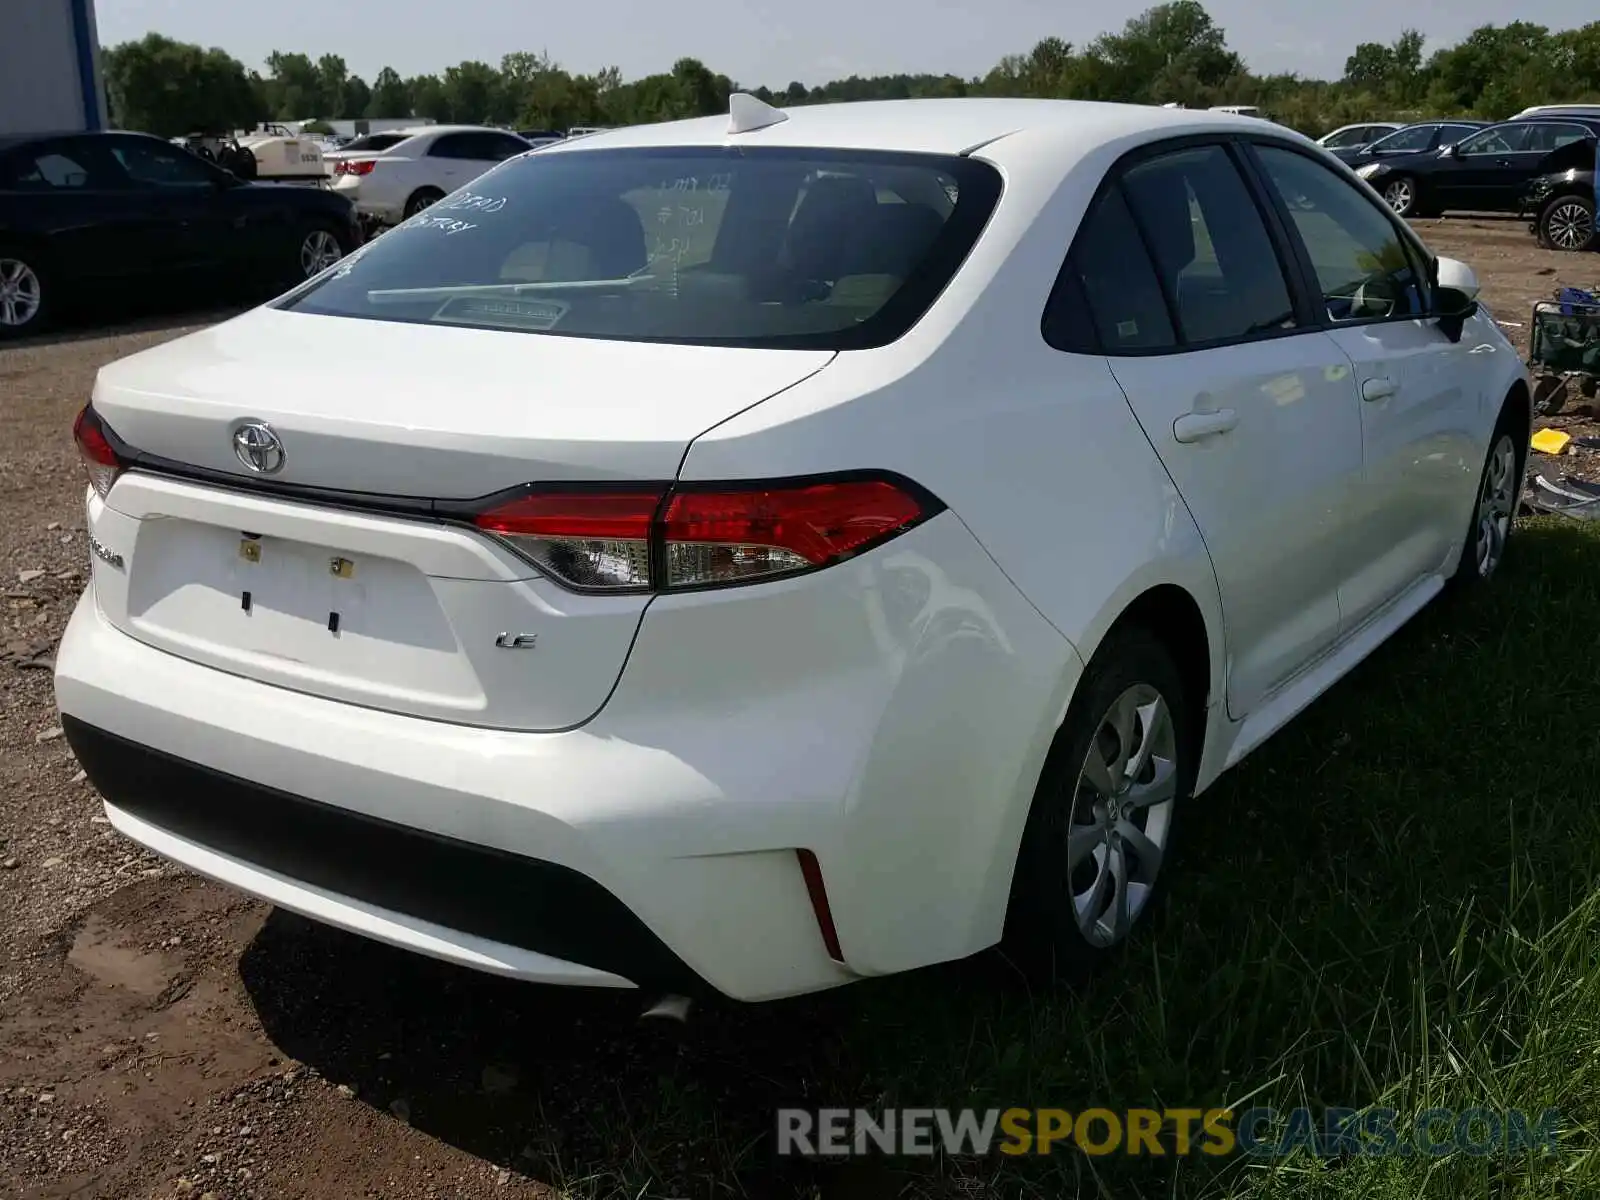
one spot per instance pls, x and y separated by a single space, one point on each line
421 198
1173 617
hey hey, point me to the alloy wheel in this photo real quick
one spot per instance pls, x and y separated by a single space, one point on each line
318 252
1495 503
1569 226
1398 195
1122 814
21 295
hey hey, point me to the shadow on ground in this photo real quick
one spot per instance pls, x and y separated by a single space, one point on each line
1319 879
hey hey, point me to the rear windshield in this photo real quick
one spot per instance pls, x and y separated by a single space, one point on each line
376 141
767 247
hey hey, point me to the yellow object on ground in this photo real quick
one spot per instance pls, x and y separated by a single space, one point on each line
1550 441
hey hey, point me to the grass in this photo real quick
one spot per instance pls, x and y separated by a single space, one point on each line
1394 903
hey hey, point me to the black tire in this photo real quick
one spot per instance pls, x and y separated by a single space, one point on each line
422 198
26 293
1045 934
1473 568
1567 223
1400 194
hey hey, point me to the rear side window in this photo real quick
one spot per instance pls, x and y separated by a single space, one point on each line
1212 251
1109 285
52 168
1553 137
374 142
452 145
761 247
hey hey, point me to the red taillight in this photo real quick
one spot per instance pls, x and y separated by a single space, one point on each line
722 537
346 166
100 460
705 537
586 539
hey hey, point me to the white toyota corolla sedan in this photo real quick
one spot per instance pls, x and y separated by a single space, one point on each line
752 553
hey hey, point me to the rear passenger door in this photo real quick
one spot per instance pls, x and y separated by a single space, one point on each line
1421 452
1250 407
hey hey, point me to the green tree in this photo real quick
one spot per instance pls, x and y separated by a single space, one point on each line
391 97
1172 52
171 88
472 92
356 98
293 87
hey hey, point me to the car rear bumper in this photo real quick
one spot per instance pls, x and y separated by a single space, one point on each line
486 908
889 715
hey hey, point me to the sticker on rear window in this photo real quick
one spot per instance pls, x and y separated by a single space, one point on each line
1128 329
508 314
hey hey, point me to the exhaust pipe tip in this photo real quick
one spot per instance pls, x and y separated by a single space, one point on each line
669 1007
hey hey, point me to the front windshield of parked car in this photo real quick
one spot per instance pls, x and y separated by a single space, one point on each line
705 245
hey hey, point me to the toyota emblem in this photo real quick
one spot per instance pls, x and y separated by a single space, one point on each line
258 447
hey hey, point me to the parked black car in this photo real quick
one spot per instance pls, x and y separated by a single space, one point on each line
1561 204
1486 172
83 212
1410 139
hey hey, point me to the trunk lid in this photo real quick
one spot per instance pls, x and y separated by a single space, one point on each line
398 611
450 413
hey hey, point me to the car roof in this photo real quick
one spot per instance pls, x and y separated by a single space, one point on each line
1549 117
421 129
934 126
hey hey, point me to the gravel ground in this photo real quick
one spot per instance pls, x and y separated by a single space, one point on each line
161 1036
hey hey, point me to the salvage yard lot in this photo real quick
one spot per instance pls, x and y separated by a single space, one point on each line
1397 902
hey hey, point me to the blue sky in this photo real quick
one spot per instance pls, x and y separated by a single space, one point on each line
773 41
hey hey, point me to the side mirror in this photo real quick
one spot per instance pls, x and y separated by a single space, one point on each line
1452 310
1455 275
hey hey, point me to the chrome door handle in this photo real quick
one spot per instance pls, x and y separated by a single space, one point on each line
1191 427
1378 389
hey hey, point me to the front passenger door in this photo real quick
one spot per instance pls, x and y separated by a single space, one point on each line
1250 408
1419 449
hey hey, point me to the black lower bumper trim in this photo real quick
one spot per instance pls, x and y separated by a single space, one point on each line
525 902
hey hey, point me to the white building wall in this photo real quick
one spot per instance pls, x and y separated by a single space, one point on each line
49 67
